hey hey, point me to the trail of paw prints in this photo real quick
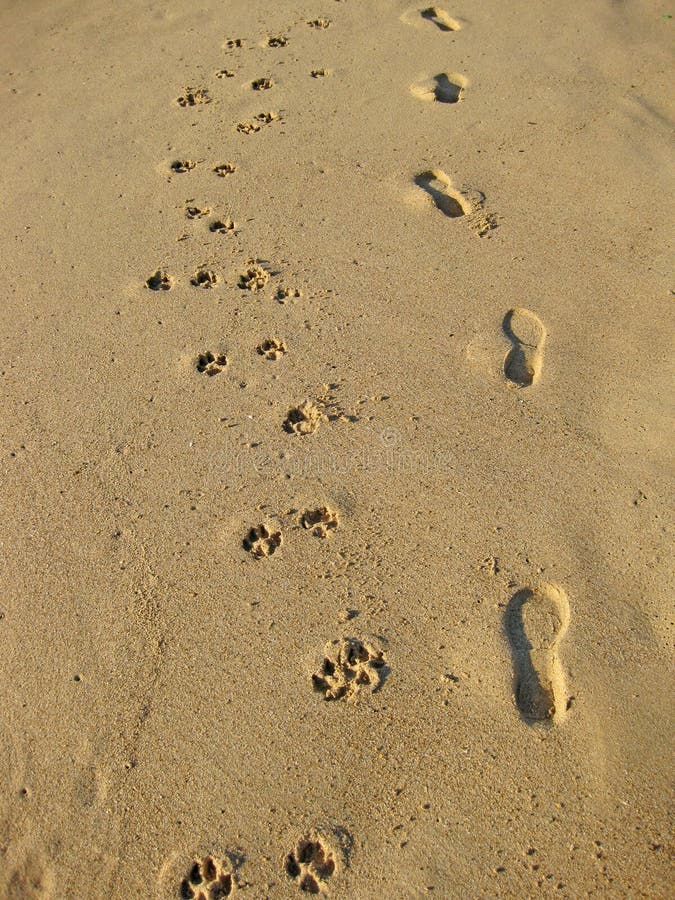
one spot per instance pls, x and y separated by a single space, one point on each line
535 622
207 879
524 361
311 864
446 87
350 666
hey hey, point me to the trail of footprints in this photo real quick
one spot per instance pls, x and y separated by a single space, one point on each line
536 617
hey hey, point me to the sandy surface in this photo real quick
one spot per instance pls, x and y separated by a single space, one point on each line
344 569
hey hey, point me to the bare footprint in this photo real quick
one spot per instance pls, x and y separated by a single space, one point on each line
440 18
536 620
526 331
446 87
445 198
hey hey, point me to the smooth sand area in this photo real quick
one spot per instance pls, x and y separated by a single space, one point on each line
336 390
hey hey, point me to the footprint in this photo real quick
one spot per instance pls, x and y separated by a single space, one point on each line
204 278
319 521
527 333
262 84
224 73
234 44
319 73
260 541
182 165
220 227
225 169
439 187
284 294
303 419
536 620
440 18
350 666
194 97
211 363
446 87
253 279
277 40
263 118
310 864
319 23
206 880
272 348
159 281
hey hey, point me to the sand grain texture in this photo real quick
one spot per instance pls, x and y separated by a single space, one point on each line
439 336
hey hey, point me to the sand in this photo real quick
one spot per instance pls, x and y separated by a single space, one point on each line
335 391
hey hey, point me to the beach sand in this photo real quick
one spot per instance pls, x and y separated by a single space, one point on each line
335 391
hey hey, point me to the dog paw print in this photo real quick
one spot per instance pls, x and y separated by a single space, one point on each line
223 227
310 864
277 40
254 278
159 281
319 23
207 880
320 521
262 84
303 419
349 666
211 363
234 44
225 169
248 127
180 166
319 73
197 212
260 541
204 278
272 348
286 294
194 97
224 73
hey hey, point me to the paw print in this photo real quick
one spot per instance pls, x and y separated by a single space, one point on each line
310 864
303 419
159 281
349 666
207 880
319 521
272 348
260 541
253 279
211 363
204 278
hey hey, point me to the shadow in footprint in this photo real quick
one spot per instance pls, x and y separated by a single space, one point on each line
526 331
437 185
446 91
535 621
440 18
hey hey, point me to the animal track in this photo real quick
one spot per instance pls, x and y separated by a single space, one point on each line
527 333
211 363
234 44
439 187
319 23
159 281
220 227
260 541
204 278
349 666
262 84
224 73
319 73
263 118
196 212
272 348
225 169
253 279
443 88
194 97
440 18
206 880
285 294
320 521
277 40
536 620
303 419
310 864
182 165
